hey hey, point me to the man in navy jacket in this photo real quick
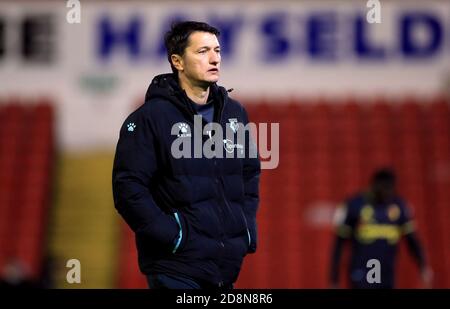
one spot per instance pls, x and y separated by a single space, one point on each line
194 216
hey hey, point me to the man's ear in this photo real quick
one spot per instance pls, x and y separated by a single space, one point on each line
177 62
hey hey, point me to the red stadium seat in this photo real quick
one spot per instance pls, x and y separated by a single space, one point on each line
24 182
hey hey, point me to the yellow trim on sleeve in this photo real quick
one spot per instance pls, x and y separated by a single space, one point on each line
344 231
408 227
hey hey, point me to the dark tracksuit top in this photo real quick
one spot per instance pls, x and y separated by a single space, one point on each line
192 217
375 231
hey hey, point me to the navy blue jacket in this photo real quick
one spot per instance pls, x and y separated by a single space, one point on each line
192 217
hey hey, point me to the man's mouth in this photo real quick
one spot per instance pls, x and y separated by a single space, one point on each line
213 70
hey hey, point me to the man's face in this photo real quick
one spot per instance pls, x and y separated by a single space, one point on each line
201 59
384 191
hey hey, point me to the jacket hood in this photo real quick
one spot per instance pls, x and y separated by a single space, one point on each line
166 86
163 86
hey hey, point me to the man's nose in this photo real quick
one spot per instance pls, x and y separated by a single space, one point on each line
214 59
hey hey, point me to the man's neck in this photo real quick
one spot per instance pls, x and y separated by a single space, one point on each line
196 93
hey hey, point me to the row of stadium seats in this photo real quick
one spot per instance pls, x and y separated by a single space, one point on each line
26 152
328 150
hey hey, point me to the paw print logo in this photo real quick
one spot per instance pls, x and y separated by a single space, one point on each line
183 128
131 126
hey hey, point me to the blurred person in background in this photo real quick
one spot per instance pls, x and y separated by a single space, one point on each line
375 221
194 218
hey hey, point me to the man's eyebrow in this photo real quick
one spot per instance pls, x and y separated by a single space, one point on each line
207 47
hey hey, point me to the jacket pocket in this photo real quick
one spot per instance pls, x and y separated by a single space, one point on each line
179 238
249 238
194 245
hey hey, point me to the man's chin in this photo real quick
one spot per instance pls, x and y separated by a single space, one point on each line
213 79
208 82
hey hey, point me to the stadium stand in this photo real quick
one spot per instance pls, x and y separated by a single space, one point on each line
26 165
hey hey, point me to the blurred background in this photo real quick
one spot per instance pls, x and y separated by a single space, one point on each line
350 97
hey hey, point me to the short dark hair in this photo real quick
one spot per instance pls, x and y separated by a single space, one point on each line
176 39
384 175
